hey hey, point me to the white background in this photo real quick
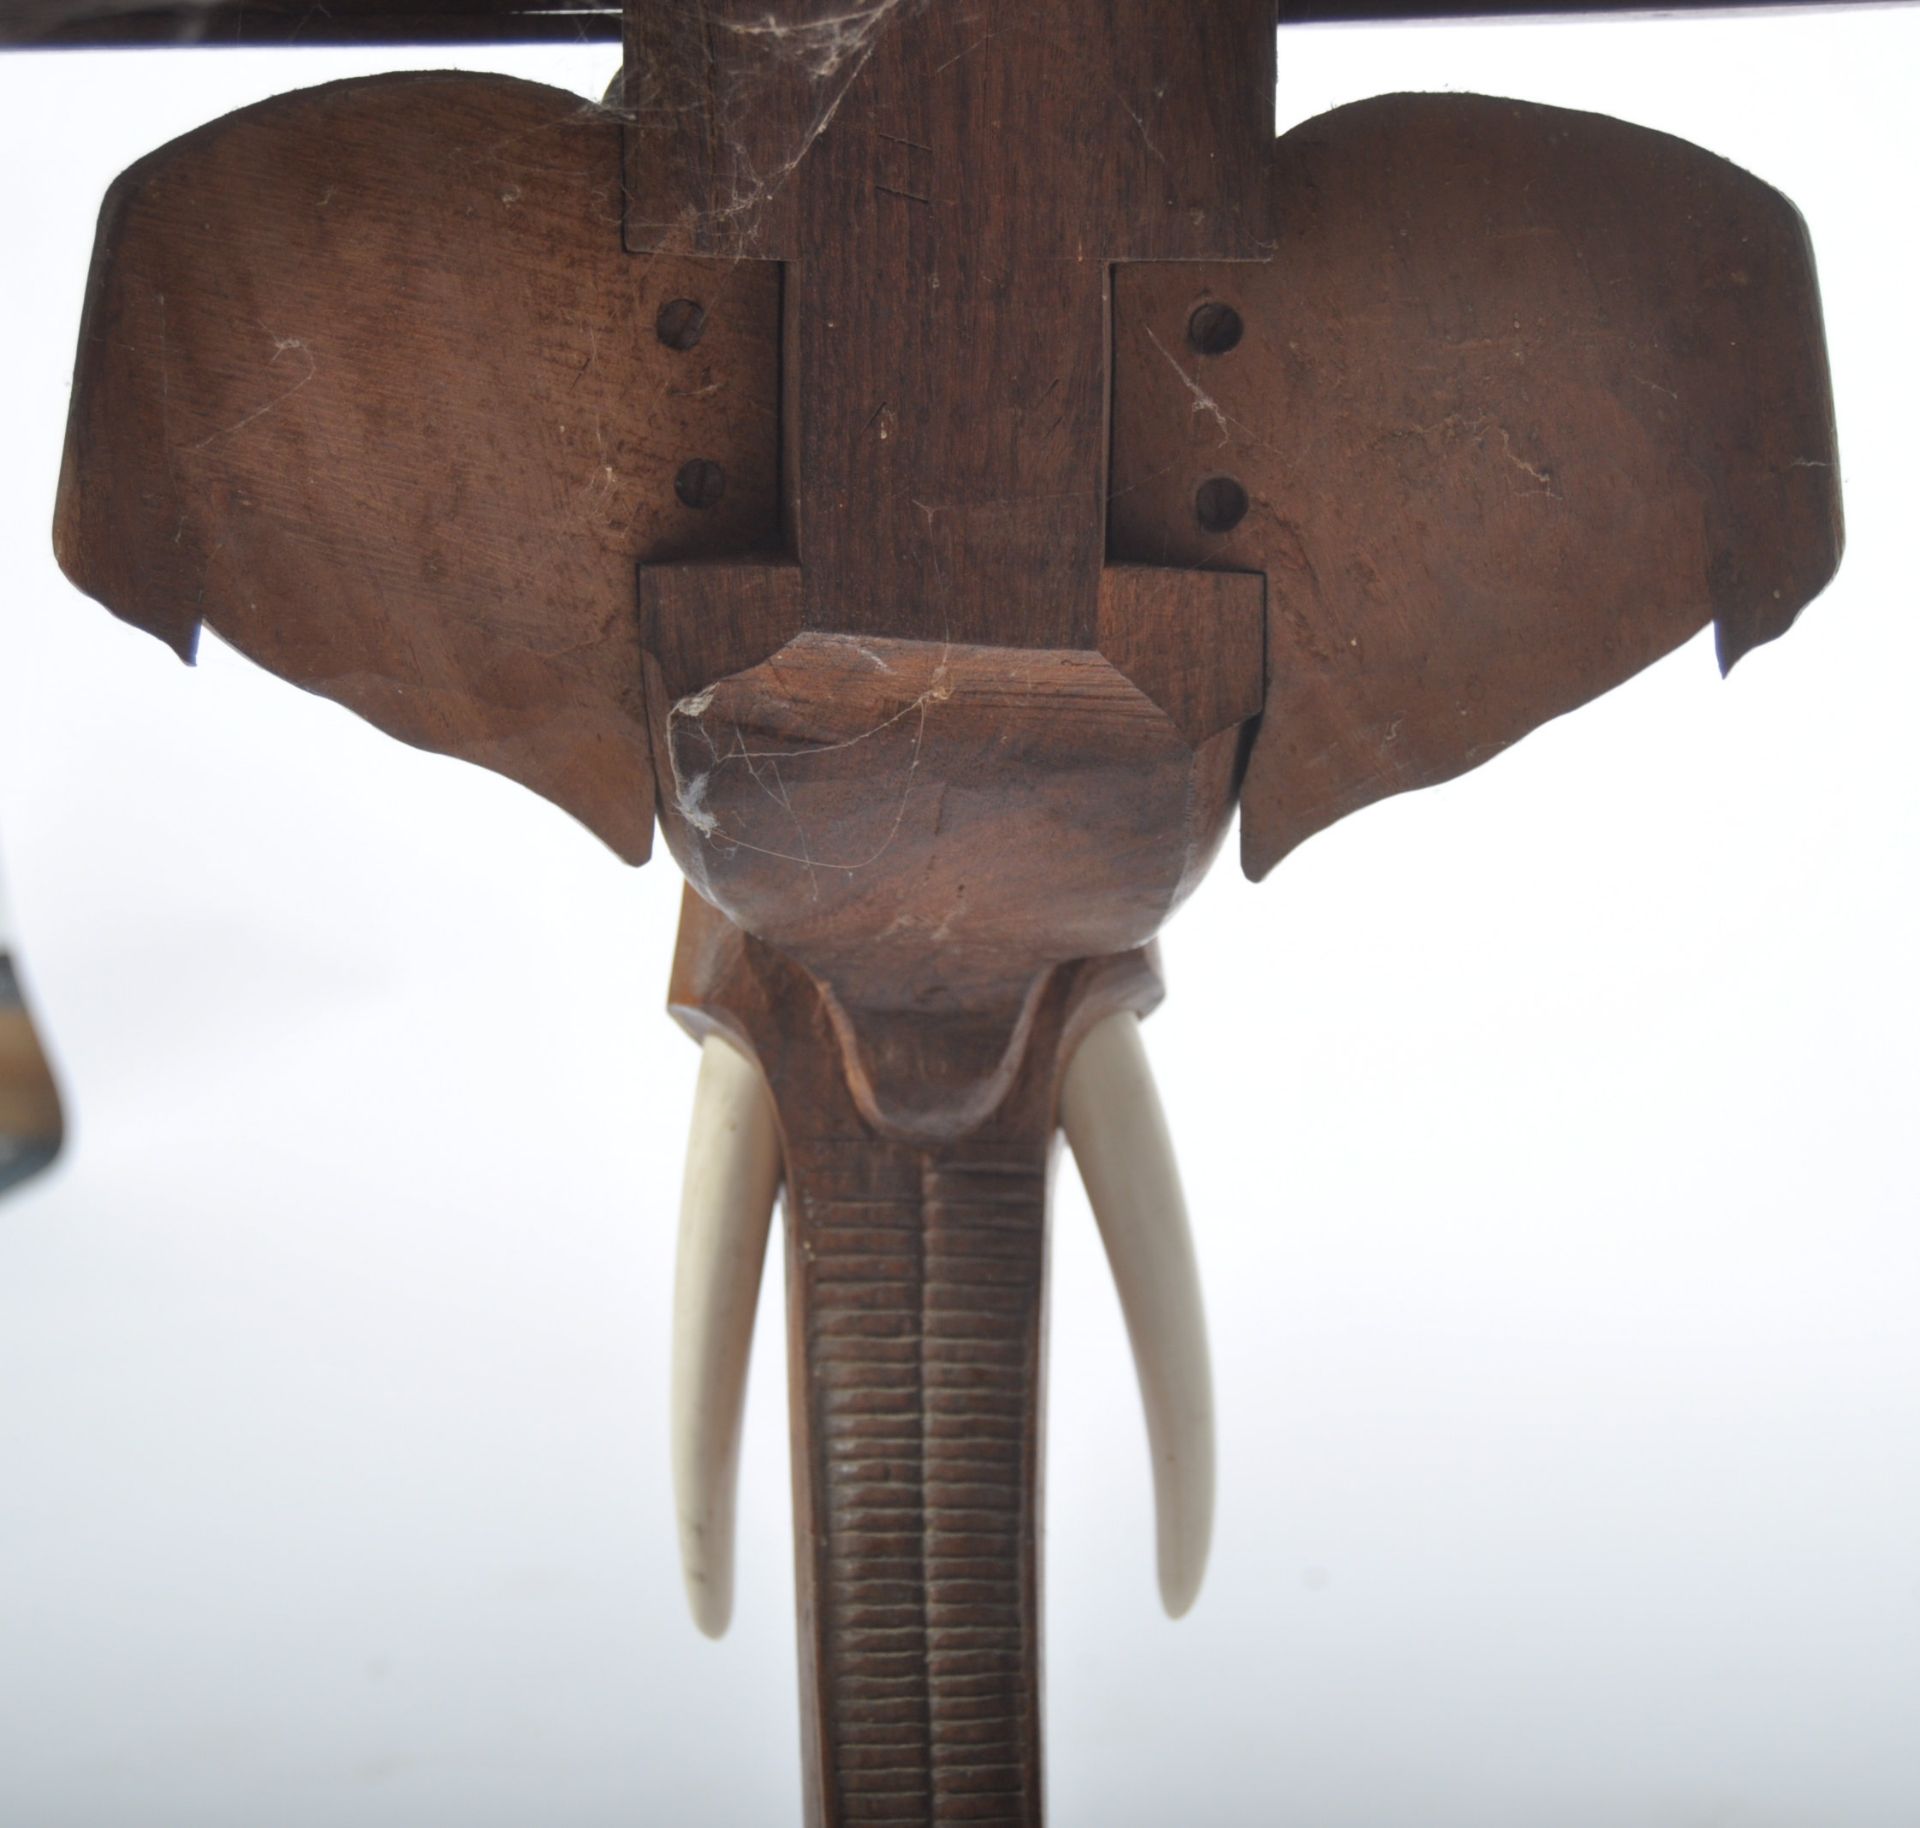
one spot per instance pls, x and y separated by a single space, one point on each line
1549 1137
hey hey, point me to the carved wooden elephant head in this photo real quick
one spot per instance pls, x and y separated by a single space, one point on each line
940 487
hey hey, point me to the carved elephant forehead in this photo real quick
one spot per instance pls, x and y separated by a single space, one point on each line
938 820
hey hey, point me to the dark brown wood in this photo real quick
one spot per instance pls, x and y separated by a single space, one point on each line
941 758
951 185
929 828
1524 399
112 24
956 455
25 24
367 386
916 1295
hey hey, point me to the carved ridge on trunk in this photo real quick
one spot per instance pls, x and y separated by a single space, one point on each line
919 1280
916 1315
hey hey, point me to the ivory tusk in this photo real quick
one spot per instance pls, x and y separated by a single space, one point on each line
726 1207
1111 1112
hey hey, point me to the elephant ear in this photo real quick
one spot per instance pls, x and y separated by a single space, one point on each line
1523 399
367 385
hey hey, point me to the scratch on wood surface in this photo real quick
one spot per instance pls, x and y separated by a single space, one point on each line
1543 477
960 56
1477 428
281 344
1140 121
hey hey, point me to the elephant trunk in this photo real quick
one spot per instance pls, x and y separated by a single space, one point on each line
916 1282
915 1287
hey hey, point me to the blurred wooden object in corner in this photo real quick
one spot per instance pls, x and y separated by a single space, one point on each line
31 1126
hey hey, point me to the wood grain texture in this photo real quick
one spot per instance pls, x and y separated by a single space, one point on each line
916 1283
958 215
951 185
1523 400
367 386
